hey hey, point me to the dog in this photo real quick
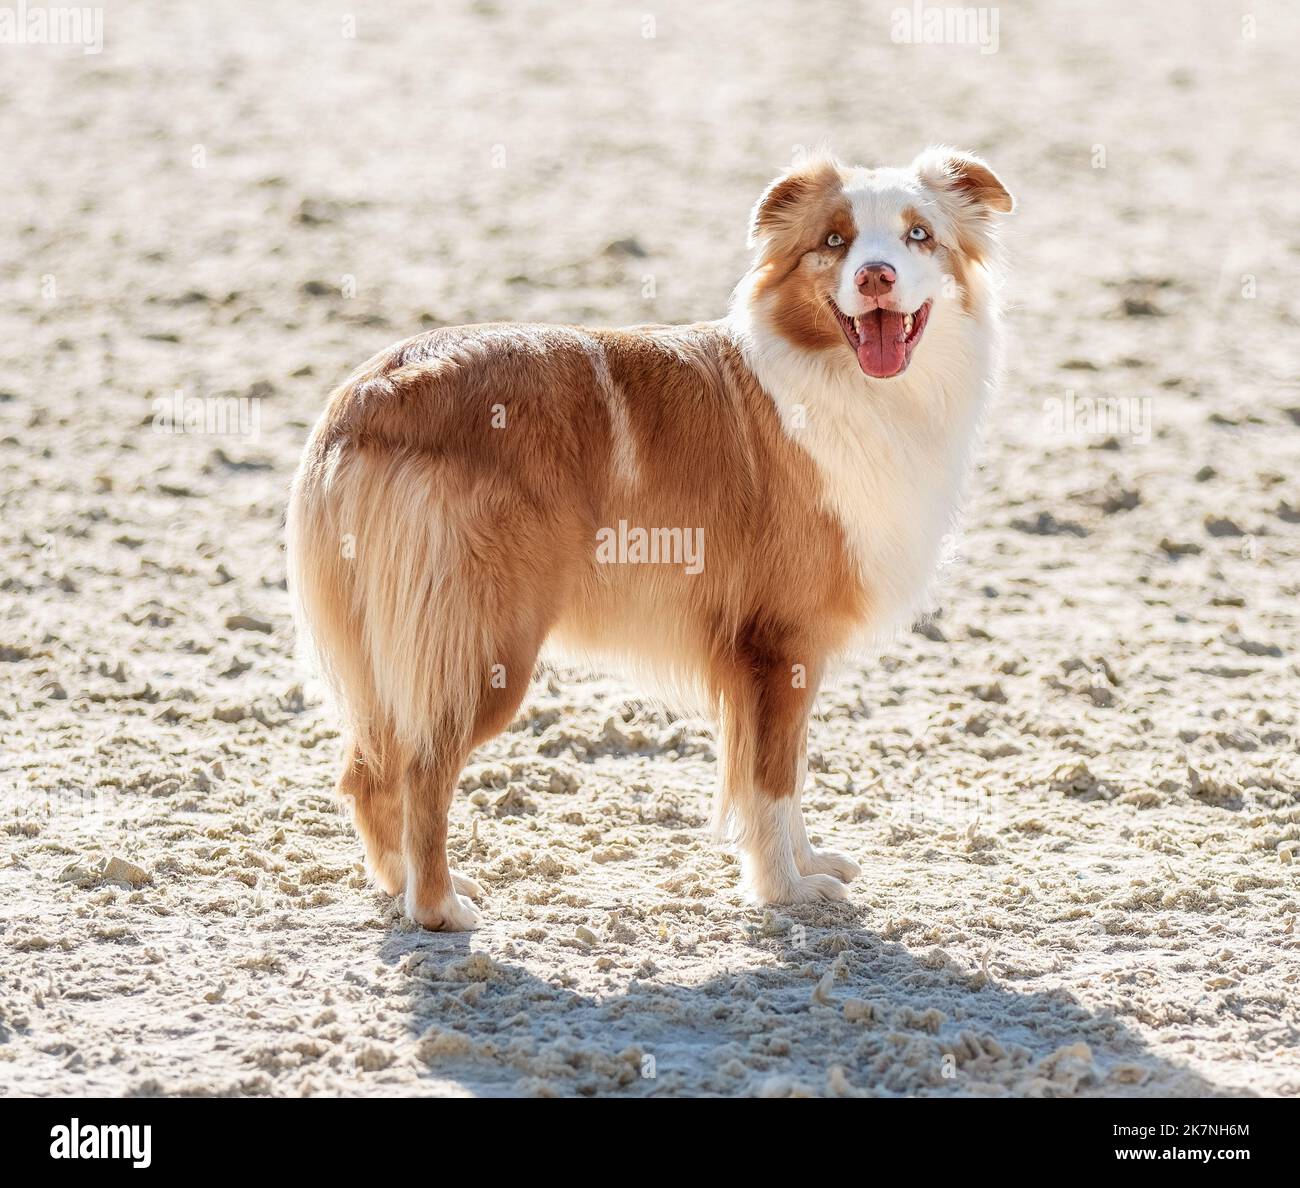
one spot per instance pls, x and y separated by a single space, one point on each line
474 493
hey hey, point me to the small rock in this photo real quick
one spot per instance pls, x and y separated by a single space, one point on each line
313 212
248 623
118 870
625 247
1100 695
1046 524
1074 779
930 630
1141 307
1118 499
1223 526
513 803
219 457
1253 647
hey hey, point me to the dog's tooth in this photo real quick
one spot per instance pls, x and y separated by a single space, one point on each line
907 323
857 327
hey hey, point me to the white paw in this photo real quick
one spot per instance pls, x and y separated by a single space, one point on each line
467 886
830 862
454 914
810 889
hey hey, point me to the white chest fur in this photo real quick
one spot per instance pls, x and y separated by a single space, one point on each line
892 454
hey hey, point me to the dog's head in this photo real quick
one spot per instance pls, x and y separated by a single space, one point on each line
858 259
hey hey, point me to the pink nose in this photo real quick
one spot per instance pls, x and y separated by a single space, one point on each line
874 280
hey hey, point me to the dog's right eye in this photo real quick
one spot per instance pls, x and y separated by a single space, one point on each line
834 239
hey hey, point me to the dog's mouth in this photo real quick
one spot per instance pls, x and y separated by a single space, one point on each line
883 339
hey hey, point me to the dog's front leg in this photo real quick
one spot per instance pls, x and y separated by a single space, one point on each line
765 703
808 860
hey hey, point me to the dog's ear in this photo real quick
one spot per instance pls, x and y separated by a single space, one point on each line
781 207
970 193
965 176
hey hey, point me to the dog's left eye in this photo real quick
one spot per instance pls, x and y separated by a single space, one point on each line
918 234
834 239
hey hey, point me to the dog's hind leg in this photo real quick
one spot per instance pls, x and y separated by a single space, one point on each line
427 621
373 792
435 894
374 796
428 785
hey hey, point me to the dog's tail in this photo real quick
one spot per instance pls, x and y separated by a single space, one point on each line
377 570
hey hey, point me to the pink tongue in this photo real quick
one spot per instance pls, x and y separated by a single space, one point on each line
881 352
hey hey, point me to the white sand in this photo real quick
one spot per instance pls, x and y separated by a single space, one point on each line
1075 802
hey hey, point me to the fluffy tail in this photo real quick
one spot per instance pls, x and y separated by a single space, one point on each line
377 571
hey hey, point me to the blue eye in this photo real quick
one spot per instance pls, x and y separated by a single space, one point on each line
918 234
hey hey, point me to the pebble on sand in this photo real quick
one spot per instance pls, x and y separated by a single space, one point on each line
248 623
118 870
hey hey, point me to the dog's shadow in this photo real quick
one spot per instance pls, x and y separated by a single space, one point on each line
822 1008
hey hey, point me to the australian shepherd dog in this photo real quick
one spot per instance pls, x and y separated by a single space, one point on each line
723 508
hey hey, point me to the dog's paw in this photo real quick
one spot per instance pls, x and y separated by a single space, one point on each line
467 886
454 914
830 862
812 888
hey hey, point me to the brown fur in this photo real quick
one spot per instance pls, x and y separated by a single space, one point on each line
796 269
472 544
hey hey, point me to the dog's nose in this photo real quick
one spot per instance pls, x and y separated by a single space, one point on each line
875 280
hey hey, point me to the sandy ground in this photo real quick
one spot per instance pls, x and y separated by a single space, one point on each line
1074 792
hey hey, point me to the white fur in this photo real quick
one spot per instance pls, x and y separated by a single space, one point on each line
770 870
892 453
878 198
807 860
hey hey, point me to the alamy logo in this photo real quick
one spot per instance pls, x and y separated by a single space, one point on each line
22 24
1089 416
651 546
933 24
221 416
89 1141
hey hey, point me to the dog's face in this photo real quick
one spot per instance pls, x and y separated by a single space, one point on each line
857 259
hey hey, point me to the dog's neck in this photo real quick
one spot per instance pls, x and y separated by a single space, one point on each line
892 454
